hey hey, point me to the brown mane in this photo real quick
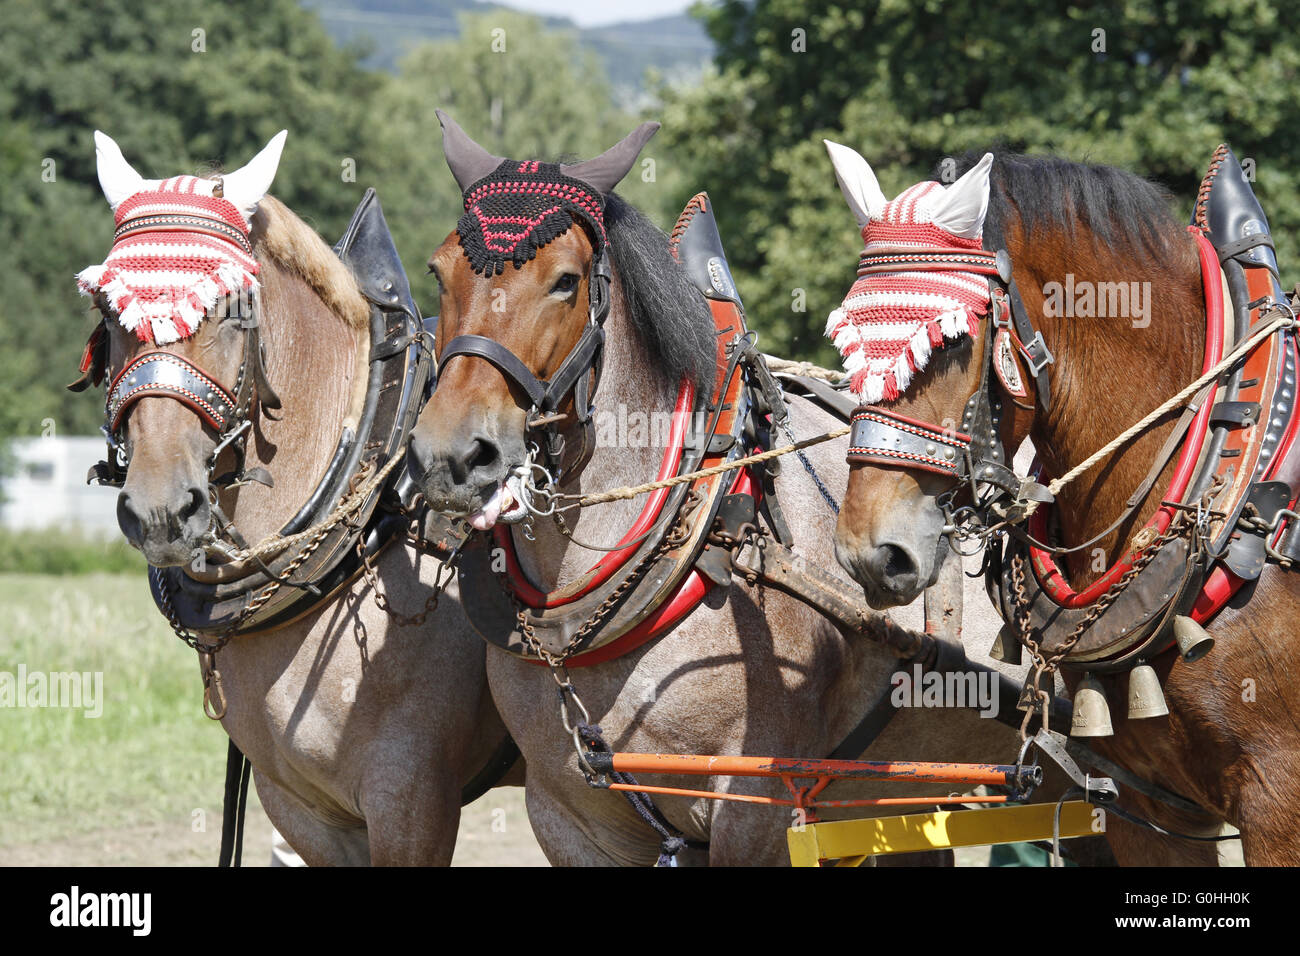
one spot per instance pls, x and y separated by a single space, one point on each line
279 234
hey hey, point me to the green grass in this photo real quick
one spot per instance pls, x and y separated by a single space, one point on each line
152 756
59 551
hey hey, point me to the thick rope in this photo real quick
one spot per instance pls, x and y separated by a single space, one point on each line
620 494
350 502
1281 319
806 369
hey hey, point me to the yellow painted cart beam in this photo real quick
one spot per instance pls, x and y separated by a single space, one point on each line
851 841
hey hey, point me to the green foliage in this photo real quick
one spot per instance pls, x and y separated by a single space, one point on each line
151 756
908 83
182 101
176 101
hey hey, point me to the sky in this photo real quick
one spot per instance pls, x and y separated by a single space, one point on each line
594 13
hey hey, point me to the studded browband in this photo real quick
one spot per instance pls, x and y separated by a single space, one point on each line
160 372
185 222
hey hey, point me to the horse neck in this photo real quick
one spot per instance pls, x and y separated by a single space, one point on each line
630 385
1109 372
311 360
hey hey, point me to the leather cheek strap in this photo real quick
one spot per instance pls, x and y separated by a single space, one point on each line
544 396
480 346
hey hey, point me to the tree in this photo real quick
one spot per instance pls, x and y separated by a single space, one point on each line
187 87
1152 86
182 87
521 91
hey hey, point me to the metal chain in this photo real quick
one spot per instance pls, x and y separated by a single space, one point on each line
557 662
829 498
1043 664
214 703
1251 521
216 708
430 602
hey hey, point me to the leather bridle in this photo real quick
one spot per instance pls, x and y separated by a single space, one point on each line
972 456
578 374
161 372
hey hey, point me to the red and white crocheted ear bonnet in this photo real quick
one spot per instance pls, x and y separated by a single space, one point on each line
890 321
176 252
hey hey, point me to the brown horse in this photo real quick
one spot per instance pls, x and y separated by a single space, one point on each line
1094 227
361 732
746 672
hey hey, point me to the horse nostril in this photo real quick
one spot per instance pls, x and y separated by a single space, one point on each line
194 500
893 567
127 519
482 454
897 562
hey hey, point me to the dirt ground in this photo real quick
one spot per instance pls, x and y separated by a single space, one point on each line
494 831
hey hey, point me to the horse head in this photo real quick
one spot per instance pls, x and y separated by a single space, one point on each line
890 534
518 348
951 362
177 294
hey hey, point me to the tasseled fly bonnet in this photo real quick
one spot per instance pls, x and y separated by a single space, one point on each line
893 316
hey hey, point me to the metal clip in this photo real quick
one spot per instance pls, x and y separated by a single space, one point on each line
214 698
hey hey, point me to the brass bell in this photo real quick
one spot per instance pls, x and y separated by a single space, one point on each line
1194 641
1091 717
1145 698
1006 646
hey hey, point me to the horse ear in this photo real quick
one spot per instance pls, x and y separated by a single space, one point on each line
469 162
964 204
857 182
247 186
607 170
116 177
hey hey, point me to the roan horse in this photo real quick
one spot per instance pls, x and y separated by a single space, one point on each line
746 672
1073 230
361 731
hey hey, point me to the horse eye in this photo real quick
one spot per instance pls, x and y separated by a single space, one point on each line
565 284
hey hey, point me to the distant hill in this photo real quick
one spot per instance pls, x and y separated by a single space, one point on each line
388 29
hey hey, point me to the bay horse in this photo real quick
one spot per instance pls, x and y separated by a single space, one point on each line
1091 229
361 731
522 284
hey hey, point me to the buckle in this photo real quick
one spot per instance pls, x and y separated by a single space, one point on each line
1032 350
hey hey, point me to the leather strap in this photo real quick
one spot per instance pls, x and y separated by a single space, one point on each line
880 436
498 765
480 346
159 372
233 807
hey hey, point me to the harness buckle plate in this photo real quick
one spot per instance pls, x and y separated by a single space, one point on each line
1037 354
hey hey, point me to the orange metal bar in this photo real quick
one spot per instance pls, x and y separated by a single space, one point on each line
970 774
812 804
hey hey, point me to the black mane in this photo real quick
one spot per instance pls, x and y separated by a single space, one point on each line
668 312
1120 209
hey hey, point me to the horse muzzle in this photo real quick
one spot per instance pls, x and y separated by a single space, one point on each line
468 475
168 530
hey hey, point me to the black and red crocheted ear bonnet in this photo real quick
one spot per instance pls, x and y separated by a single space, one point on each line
520 207
514 208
